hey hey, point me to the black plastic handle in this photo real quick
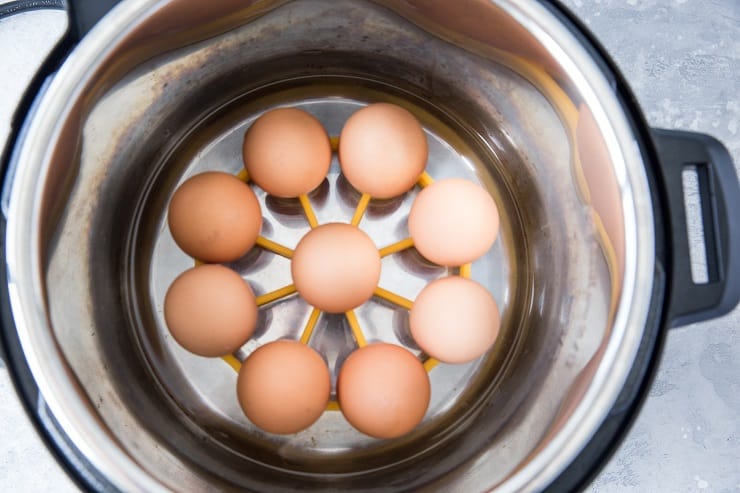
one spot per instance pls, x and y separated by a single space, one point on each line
84 14
719 195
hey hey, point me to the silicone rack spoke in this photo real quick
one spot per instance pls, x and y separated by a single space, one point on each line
430 363
310 325
334 142
356 330
360 209
243 175
425 180
394 298
396 247
231 360
332 406
308 210
276 295
466 270
274 247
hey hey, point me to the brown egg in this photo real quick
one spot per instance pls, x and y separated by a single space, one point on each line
283 387
336 267
287 152
382 150
210 310
383 390
453 222
214 217
454 320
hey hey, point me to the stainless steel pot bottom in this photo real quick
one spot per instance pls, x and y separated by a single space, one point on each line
205 389
164 103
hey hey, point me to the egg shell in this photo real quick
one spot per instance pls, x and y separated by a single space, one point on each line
383 390
287 152
454 320
453 222
210 310
283 387
336 267
382 150
214 217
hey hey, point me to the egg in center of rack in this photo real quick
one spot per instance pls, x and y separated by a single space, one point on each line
284 386
336 267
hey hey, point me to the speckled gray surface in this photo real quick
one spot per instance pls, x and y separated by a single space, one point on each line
682 59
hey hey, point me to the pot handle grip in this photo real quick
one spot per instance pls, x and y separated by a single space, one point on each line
719 200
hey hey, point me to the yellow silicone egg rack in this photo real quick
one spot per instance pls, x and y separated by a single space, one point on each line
281 293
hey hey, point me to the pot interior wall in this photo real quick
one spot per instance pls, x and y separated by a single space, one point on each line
157 116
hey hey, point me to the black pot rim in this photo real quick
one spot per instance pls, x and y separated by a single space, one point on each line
612 432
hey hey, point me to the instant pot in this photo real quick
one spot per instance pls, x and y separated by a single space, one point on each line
591 269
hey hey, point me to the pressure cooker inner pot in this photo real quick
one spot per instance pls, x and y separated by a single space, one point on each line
173 97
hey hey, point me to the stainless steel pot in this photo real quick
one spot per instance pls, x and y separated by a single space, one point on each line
590 269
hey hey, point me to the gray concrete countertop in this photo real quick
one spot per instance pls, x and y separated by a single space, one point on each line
682 59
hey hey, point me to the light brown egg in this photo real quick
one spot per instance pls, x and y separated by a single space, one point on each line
382 150
214 217
383 390
283 387
453 222
287 152
454 320
336 267
210 310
